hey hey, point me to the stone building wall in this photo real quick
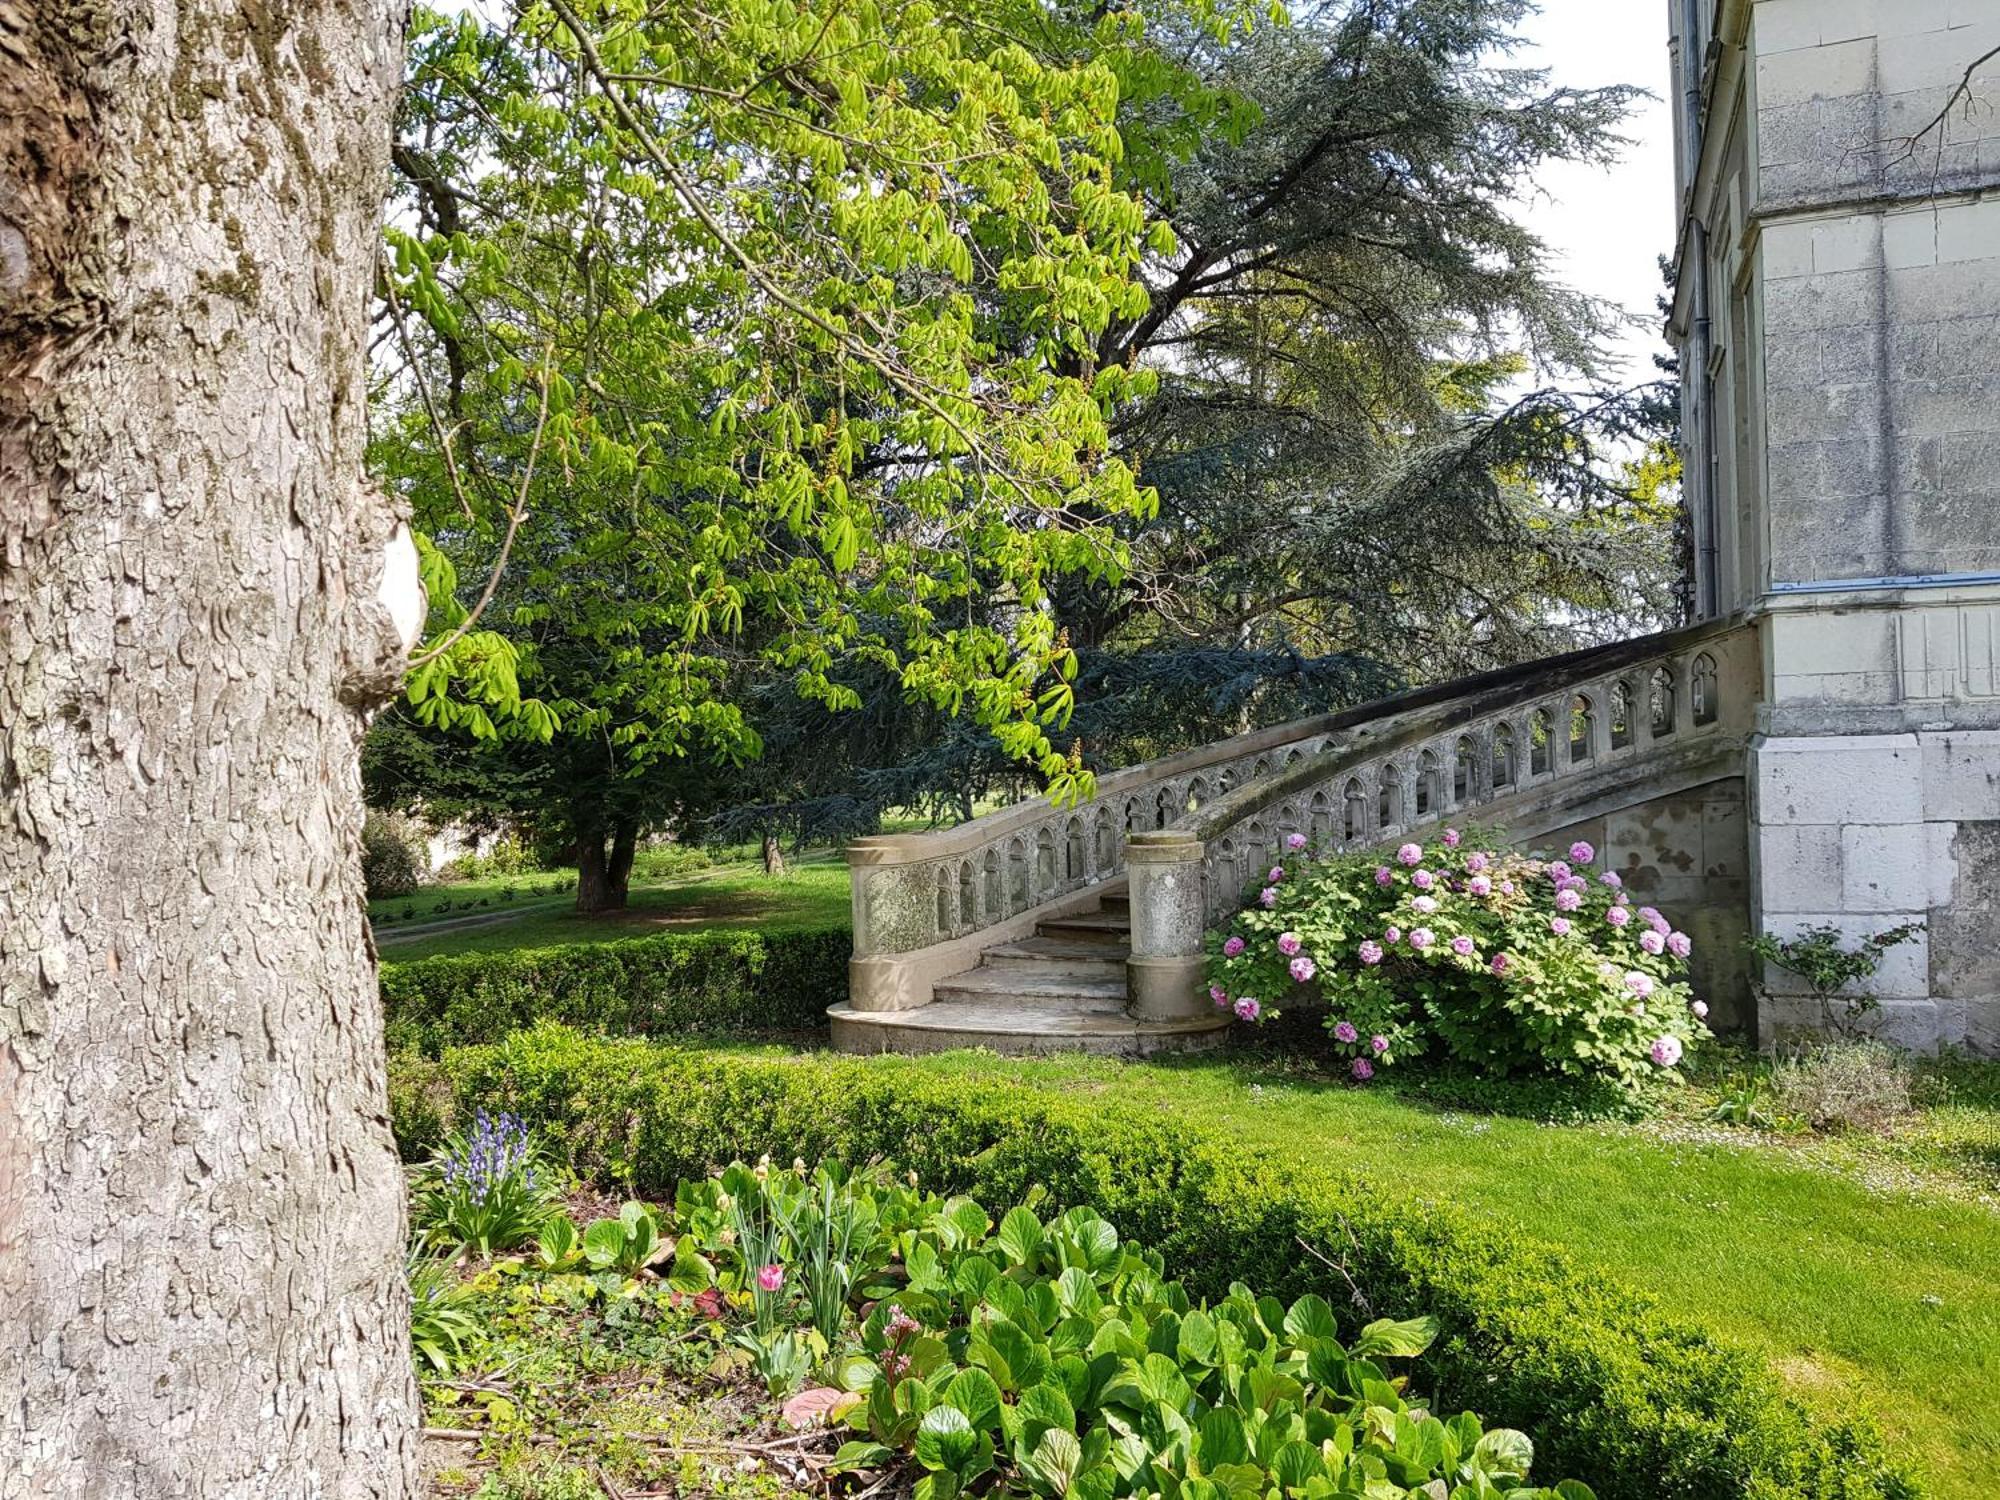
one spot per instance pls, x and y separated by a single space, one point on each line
1839 307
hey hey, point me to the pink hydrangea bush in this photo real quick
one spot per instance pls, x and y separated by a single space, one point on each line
1504 960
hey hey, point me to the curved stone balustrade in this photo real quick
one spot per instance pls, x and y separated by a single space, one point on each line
1532 750
944 894
926 905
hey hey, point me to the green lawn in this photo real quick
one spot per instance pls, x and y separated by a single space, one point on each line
1863 1295
813 894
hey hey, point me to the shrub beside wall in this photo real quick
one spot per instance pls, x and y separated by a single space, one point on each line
1636 1405
658 986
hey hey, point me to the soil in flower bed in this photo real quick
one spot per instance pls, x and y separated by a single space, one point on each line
576 1387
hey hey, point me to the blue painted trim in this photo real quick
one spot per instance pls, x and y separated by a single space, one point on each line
1907 581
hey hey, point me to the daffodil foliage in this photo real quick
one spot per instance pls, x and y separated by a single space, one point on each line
765 333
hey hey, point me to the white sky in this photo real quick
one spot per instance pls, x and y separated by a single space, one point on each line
1608 229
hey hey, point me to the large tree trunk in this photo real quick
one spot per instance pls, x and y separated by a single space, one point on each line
201 1212
604 870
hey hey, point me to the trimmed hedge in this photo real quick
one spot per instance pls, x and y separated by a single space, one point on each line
656 986
1615 1393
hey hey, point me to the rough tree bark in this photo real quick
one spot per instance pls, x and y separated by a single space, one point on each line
201 1217
604 869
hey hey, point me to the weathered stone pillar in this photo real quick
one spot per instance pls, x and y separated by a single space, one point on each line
1163 977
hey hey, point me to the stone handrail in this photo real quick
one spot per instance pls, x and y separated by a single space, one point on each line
1529 746
911 891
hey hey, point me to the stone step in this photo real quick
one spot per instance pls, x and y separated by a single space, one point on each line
1115 901
1017 1030
1054 990
1086 955
1090 923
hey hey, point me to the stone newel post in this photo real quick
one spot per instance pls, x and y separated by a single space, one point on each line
1169 911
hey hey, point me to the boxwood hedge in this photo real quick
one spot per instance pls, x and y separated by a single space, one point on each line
657 986
1636 1404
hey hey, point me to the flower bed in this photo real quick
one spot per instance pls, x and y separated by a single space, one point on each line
1633 1403
1498 959
958 1351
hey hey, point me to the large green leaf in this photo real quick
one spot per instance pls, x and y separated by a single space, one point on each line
1504 1454
1310 1318
946 1439
975 1393
1404 1339
1021 1237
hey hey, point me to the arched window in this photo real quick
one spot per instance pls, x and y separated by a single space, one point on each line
1354 824
1503 756
1163 807
1540 737
1294 756
1322 817
996 895
1132 814
968 894
1017 877
1660 704
945 922
1107 844
1705 690
1621 715
1197 792
1428 789
1388 797
1073 852
1045 862
1582 728
1462 765
1262 768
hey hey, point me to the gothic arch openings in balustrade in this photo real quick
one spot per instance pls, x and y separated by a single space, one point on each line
1388 798
1045 865
1660 701
1503 758
968 894
1354 812
995 902
1017 876
1623 731
947 917
1541 739
1704 695
1163 807
1107 843
1075 856
1322 818
1582 729
1430 788
1464 783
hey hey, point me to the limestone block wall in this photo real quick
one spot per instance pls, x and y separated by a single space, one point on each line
1877 287
1872 831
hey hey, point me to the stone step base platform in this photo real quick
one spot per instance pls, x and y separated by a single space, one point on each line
1061 990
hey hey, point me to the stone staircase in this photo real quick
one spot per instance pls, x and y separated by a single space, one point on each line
1061 989
1080 927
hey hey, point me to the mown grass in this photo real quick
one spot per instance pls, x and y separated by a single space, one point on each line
1864 1297
813 893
